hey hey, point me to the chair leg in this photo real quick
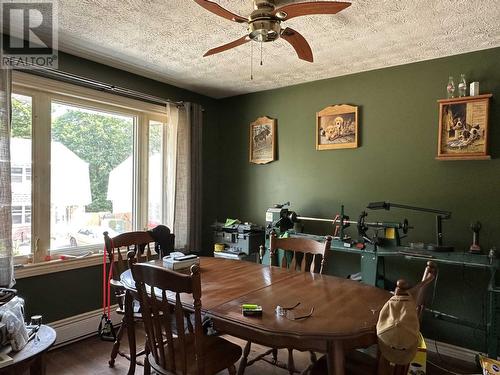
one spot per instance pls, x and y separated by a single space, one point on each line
116 345
232 370
275 355
244 358
313 357
291 364
129 318
147 366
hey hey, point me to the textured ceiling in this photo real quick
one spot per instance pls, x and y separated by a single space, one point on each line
165 39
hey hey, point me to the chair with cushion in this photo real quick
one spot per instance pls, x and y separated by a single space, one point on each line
117 248
188 351
299 254
361 363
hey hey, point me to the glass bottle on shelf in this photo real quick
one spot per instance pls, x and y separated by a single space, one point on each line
462 86
450 88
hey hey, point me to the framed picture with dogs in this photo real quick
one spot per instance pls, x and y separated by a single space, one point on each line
463 128
337 127
263 140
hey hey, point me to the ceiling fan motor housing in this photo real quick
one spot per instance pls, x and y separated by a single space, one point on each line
259 4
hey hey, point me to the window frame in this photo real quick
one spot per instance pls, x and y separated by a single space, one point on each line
44 92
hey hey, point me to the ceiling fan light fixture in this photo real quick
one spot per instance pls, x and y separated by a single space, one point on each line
264 30
258 35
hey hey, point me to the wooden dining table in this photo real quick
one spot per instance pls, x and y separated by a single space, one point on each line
344 317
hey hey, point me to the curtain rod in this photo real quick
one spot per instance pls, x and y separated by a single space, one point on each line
96 85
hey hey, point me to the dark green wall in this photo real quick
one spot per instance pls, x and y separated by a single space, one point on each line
395 162
63 294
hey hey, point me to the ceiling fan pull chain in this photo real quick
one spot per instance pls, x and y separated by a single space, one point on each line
251 61
261 54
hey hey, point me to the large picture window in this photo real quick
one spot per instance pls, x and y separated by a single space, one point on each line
91 175
97 158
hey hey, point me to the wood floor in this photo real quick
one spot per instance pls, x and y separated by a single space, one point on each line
91 356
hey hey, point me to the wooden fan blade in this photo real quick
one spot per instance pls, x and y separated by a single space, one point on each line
225 47
220 11
299 43
304 9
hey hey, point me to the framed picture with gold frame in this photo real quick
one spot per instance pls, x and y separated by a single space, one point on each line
337 127
463 128
262 142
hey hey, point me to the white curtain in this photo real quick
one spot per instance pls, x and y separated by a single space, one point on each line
6 260
184 170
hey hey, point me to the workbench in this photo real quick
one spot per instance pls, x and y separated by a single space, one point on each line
372 269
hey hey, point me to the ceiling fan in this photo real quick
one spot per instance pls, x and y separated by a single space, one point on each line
264 24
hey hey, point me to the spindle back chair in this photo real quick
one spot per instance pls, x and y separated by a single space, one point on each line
310 253
307 255
187 350
117 248
360 363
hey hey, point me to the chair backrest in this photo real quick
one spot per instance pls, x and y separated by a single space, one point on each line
159 315
305 250
138 242
419 294
419 291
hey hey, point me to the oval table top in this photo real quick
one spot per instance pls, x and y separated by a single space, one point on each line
342 308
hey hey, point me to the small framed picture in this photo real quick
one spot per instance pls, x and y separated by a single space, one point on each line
337 127
463 128
262 140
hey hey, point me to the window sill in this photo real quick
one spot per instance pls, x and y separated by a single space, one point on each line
37 269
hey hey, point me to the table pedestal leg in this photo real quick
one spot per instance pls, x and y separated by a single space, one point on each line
129 317
335 358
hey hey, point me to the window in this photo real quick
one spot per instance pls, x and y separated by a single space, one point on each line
91 175
94 153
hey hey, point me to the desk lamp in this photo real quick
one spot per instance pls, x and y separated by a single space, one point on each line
441 215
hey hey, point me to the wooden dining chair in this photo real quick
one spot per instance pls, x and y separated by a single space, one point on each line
139 243
361 363
188 351
299 254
